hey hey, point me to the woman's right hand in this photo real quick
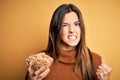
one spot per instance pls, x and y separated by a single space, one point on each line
38 74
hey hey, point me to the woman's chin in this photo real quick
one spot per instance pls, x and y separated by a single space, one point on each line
73 44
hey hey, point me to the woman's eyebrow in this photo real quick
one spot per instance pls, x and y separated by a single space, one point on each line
64 23
76 22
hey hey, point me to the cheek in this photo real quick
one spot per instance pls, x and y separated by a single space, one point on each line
78 30
64 33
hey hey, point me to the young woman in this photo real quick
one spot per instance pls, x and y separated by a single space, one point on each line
72 58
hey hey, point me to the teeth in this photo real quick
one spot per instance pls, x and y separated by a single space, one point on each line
72 37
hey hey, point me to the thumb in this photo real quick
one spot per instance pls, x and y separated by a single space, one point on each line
103 61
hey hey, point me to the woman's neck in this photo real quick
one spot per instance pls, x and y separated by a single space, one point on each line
66 47
67 55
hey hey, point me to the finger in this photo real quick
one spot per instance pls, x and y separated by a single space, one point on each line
29 68
103 69
103 66
103 61
101 76
44 74
98 74
40 70
108 68
101 73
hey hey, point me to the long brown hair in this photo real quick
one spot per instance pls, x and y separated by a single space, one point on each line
84 59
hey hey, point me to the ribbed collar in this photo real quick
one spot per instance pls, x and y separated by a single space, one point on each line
67 57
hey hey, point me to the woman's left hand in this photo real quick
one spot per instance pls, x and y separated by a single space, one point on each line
103 72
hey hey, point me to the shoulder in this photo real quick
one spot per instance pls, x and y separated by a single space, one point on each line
96 58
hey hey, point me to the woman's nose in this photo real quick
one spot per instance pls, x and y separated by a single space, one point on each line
71 29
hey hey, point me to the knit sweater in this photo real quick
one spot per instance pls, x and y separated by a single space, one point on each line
63 68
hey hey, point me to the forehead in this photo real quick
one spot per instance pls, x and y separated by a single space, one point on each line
71 16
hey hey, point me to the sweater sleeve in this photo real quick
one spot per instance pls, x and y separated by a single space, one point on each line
96 61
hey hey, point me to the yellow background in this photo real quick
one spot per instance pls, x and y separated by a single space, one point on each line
24 28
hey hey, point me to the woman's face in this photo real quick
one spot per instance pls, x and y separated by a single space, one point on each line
70 30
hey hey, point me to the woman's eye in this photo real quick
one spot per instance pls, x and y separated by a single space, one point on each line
63 25
77 24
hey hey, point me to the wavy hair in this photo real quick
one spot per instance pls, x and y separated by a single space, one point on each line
83 55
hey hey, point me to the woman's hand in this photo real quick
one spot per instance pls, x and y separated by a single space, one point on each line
38 74
103 72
